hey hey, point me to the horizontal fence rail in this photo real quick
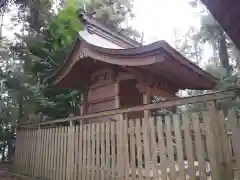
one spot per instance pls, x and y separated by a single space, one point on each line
226 94
200 145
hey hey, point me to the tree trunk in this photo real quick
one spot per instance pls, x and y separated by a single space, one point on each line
1 24
10 145
3 153
20 107
223 53
236 54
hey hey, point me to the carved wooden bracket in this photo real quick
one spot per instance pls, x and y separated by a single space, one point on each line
103 75
81 55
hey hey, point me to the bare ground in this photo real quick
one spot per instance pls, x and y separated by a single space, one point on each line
6 175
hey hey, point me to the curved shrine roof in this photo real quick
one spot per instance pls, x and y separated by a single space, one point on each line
159 60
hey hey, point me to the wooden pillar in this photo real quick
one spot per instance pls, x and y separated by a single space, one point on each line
215 143
81 109
82 105
146 95
116 89
70 151
146 100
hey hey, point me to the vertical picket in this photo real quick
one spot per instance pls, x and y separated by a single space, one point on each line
234 125
162 148
102 151
179 146
61 137
76 153
146 145
132 149
65 143
89 155
84 151
126 148
170 147
120 148
139 148
189 147
80 159
153 147
113 151
199 147
93 163
107 138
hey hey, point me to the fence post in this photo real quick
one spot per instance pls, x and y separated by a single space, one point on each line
70 151
218 153
234 126
17 150
36 164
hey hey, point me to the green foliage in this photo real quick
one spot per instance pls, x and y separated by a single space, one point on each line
50 51
39 14
62 28
212 33
61 103
40 49
113 13
219 64
189 46
45 40
37 55
226 81
110 12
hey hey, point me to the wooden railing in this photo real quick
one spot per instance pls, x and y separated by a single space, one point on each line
220 95
176 146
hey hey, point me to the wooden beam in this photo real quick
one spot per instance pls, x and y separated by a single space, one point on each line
160 92
156 91
75 57
125 76
152 80
146 100
116 89
175 102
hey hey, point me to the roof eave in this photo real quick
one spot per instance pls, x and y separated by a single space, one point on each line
125 53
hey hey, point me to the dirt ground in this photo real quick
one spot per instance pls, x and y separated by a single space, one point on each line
6 175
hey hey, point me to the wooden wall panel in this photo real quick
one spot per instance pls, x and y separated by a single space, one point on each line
102 105
103 92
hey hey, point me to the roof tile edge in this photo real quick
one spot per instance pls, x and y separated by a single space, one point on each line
94 26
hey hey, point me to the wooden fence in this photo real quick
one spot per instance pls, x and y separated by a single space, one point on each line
177 146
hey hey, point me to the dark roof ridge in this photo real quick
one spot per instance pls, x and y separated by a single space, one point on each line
103 30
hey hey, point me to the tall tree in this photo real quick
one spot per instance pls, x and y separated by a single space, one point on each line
211 32
41 49
42 53
114 13
187 45
111 12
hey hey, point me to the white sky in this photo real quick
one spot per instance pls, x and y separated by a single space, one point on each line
159 18
156 18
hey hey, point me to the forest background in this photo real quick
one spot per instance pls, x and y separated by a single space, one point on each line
40 34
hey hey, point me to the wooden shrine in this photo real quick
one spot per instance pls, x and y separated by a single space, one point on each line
120 73
122 77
